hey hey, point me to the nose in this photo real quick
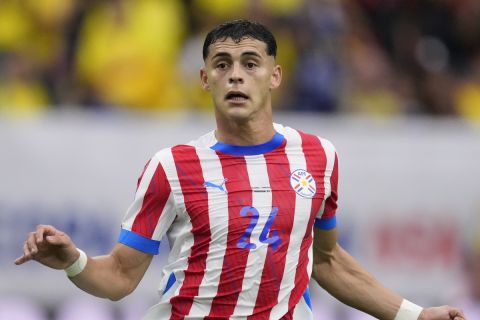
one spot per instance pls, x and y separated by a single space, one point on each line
236 74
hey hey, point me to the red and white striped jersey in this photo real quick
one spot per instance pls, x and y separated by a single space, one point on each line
240 224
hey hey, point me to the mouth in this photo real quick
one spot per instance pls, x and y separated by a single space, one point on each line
236 97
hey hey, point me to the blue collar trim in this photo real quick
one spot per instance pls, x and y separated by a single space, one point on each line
257 149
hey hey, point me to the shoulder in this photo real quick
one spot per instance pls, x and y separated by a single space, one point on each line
305 139
166 155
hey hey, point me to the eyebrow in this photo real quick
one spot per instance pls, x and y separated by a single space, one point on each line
251 53
228 55
221 55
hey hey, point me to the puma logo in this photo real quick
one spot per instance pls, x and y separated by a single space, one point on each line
208 184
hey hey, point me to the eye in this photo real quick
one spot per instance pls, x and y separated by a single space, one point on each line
221 66
251 65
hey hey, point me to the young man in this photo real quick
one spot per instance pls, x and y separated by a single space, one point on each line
249 210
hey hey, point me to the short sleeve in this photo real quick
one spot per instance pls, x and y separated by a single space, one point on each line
326 216
152 211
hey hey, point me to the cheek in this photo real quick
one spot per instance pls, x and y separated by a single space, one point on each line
216 81
216 90
263 83
265 78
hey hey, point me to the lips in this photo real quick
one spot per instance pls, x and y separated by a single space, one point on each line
236 96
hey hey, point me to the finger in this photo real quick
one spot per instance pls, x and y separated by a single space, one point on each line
42 231
52 236
21 260
454 313
55 240
31 243
25 257
26 250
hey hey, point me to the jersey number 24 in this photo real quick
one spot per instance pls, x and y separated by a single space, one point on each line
274 240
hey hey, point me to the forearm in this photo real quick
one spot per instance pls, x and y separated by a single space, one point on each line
103 277
346 280
115 275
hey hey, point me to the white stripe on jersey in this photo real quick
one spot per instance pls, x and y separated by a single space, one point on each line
296 159
330 157
262 201
212 172
166 218
302 310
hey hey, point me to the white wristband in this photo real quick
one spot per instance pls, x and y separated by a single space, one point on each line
78 265
408 311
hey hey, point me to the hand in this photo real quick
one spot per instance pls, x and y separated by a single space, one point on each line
50 247
442 313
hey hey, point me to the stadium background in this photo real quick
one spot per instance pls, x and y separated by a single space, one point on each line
89 90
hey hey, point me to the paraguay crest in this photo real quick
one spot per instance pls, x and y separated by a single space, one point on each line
303 183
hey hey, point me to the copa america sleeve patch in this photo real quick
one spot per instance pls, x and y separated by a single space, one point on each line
138 242
326 224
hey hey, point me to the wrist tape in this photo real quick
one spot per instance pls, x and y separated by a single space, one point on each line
408 311
78 265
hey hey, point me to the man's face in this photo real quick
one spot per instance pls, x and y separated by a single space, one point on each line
240 77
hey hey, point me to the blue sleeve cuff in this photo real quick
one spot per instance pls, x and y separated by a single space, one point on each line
138 242
326 224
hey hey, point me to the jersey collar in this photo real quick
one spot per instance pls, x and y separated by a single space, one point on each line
252 150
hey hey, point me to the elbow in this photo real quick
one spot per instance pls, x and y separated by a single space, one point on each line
119 295
117 298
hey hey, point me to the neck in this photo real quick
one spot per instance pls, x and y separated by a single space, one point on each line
245 133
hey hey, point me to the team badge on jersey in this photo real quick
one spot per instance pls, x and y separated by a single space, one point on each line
303 183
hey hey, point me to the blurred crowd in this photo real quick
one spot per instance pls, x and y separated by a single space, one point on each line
373 57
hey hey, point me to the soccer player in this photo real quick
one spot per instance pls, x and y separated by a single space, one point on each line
249 210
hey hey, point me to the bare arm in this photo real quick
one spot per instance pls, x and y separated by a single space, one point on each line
338 273
112 276
115 275
343 277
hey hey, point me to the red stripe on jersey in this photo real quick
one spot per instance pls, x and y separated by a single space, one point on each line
154 201
331 203
316 164
283 196
195 196
235 260
289 315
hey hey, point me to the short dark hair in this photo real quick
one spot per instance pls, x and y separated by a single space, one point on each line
237 30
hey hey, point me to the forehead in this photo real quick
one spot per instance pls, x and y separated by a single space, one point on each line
231 47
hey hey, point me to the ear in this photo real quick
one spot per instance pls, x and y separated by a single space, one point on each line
204 79
276 77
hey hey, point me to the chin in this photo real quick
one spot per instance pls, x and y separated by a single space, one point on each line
239 115
235 112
